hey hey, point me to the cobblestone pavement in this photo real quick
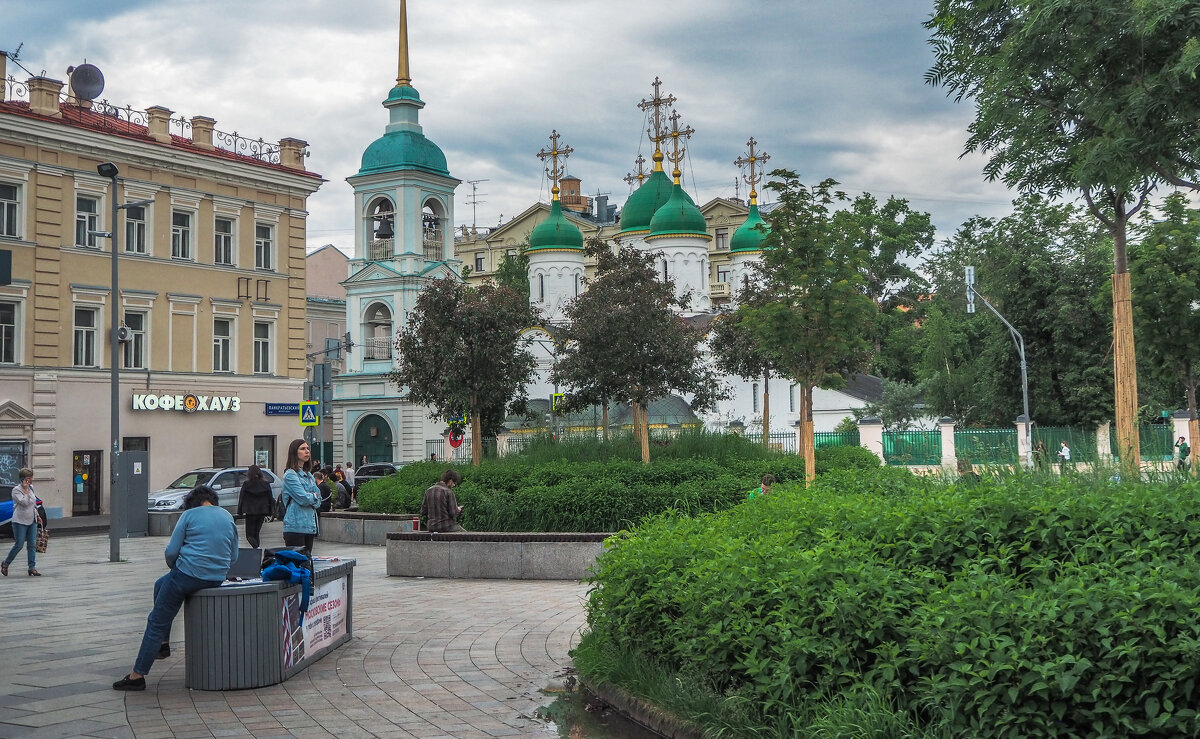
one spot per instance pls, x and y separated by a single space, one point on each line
429 658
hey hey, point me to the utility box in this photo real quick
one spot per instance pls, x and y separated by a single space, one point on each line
134 471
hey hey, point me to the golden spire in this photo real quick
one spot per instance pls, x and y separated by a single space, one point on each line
657 130
554 171
402 76
752 160
678 149
639 172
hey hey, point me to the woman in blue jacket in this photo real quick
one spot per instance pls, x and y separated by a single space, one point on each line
300 498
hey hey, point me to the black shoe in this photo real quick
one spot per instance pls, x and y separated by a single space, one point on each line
164 651
128 683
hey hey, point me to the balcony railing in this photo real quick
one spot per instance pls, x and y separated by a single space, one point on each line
379 250
377 349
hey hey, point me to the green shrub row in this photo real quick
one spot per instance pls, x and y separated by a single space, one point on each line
524 494
1025 607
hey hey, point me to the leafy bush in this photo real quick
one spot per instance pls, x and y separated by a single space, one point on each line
1027 607
590 486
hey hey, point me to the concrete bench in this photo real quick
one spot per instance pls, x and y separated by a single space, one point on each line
502 556
348 527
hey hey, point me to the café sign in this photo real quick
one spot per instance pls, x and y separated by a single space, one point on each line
189 403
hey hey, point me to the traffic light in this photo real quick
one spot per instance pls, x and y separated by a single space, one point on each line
347 343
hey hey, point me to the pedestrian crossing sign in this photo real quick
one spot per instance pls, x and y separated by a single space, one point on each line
308 413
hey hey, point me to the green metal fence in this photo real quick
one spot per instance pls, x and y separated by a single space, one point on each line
783 441
912 447
835 438
986 446
1156 441
1082 442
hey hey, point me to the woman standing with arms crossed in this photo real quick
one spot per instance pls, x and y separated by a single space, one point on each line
300 498
254 502
25 520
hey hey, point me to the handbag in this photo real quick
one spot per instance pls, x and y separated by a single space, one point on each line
43 539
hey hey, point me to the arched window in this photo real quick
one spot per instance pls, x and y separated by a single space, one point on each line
541 288
377 332
380 224
577 285
431 231
665 275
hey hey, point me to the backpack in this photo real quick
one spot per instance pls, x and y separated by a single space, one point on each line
326 498
292 567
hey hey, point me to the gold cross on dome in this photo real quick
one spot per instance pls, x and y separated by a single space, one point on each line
555 171
678 138
639 172
753 161
655 105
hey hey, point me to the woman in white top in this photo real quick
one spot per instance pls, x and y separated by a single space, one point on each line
25 521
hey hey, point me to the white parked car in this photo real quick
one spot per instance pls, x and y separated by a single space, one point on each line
227 481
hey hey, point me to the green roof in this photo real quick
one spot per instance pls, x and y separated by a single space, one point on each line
400 150
747 237
556 232
645 201
679 215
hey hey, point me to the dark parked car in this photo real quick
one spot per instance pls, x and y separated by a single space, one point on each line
374 471
6 508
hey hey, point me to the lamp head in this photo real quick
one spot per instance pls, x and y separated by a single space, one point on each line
108 169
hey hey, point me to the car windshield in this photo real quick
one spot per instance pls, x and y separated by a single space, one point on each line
190 480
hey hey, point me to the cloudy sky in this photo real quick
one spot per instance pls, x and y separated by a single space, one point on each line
829 89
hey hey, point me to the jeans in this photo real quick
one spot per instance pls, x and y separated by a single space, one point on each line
170 590
23 535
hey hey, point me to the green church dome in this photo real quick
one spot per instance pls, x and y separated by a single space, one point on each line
679 215
400 150
645 201
556 232
748 238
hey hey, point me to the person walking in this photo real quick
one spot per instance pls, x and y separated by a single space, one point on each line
25 522
1184 452
255 503
439 507
1064 455
301 498
202 548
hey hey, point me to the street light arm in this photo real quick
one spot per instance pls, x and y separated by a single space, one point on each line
1020 342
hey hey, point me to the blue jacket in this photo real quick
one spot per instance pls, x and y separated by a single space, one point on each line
301 498
204 543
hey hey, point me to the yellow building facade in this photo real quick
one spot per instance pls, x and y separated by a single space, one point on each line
211 292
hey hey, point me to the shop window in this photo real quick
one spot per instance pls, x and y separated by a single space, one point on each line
224 451
135 444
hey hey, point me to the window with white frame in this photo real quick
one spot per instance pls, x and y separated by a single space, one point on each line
479 261
9 201
264 240
181 235
87 220
84 345
722 239
223 241
262 348
134 351
135 230
722 274
8 333
222 344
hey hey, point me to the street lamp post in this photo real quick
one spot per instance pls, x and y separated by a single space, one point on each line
116 509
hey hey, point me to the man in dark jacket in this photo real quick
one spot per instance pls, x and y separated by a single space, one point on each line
440 508
326 495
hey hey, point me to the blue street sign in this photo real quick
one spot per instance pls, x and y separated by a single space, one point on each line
281 409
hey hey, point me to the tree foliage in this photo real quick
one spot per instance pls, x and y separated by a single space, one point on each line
901 406
816 317
738 351
513 272
461 352
626 341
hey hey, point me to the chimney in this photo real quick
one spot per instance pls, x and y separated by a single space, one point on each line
202 130
601 208
160 119
291 153
43 96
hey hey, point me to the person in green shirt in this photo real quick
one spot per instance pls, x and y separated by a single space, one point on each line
1184 452
764 487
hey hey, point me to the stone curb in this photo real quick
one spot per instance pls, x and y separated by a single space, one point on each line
642 713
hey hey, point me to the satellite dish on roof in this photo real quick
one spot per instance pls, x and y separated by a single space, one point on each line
87 81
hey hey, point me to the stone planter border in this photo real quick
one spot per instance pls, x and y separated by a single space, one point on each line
488 555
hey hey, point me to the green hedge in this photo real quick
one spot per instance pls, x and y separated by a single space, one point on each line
516 494
1027 607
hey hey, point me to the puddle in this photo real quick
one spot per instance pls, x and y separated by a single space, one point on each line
576 713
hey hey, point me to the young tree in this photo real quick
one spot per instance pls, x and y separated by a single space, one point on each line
626 341
737 351
513 272
1166 274
1098 97
816 319
462 353
900 407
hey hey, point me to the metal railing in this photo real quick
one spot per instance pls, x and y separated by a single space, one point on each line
822 439
986 446
377 348
912 447
1156 442
379 250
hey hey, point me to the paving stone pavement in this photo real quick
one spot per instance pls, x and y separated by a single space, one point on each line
429 658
